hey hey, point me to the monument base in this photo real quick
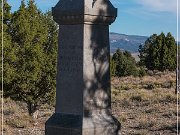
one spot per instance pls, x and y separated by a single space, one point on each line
69 124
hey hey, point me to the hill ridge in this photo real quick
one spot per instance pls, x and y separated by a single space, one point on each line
125 42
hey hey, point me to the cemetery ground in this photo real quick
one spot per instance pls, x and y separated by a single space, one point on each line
144 106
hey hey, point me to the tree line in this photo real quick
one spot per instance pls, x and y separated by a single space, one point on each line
30 55
157 53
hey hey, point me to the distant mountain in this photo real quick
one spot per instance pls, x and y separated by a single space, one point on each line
126 42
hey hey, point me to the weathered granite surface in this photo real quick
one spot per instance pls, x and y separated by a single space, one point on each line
83 93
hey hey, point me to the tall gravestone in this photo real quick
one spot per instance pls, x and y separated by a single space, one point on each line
83 92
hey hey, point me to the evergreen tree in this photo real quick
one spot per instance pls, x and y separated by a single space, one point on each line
125 64
112 67
170 52
34 37
159 52
8 48
147 52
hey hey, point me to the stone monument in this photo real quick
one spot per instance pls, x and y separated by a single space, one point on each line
83 92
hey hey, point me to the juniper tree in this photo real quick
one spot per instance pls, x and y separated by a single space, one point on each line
125 64
34 36
159 52
112 67
8 48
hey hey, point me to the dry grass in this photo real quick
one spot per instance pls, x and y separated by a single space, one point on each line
17 121
144 106
147 105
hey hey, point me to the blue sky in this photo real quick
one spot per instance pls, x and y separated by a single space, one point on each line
135 17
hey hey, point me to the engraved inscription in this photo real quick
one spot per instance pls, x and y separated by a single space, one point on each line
70 60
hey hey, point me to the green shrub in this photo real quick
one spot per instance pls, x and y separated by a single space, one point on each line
142 72
123 64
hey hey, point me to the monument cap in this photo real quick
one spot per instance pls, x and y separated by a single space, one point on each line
84 11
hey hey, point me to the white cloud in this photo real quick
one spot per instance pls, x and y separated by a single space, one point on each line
159 5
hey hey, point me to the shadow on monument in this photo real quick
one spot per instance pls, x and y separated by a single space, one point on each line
97 92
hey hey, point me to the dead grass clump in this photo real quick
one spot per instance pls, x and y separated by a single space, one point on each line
10 108
125 87
137 98
7 130
125 103
167 84
15 116
123 118
17 123
152 110
170 98
142 132
145 122
172 127
142 95
163 96
114 92
168 114
150 86
157 84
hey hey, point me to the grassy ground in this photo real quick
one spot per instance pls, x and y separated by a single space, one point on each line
147 105
144 106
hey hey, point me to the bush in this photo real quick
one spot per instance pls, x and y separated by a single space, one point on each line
142 72
123 64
